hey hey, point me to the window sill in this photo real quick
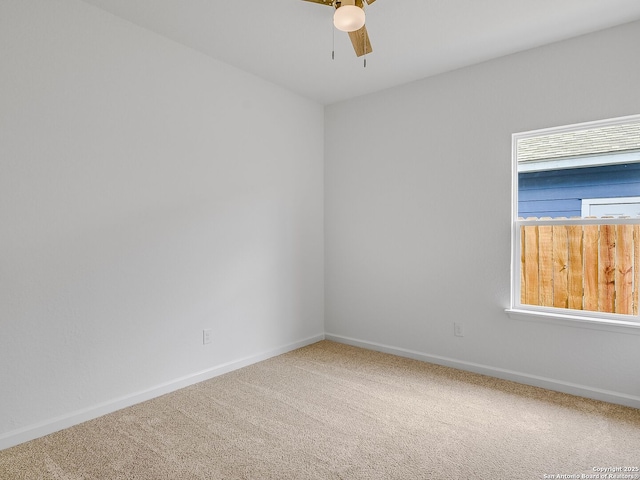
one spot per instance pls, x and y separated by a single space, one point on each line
616 326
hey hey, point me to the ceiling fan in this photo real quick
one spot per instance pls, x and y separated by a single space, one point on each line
349 17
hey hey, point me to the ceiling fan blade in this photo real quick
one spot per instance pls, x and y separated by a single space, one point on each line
360 41
370 1
322 2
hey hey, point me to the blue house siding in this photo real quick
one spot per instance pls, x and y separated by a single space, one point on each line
559 193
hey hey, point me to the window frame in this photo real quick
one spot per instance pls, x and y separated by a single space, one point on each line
568 317
588 202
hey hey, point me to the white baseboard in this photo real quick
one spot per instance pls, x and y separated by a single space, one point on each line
518 377
70 419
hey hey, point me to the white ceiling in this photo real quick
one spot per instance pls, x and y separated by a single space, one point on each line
289 42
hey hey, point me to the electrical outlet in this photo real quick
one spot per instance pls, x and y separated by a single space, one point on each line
458 330
206 336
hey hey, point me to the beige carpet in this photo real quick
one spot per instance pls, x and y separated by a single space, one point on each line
331 411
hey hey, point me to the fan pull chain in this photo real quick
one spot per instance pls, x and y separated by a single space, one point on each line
333 43
364 62
365 52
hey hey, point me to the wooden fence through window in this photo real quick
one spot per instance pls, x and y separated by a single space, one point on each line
592 267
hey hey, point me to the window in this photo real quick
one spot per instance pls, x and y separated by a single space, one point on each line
605 207
576 223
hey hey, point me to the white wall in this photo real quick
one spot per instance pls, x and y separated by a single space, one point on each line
146 192
417 214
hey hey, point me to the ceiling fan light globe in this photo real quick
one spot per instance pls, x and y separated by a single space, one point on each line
349 18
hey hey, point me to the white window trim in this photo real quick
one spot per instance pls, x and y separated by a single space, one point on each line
573 318
587 202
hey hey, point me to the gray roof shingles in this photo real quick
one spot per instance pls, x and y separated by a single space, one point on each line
614 138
